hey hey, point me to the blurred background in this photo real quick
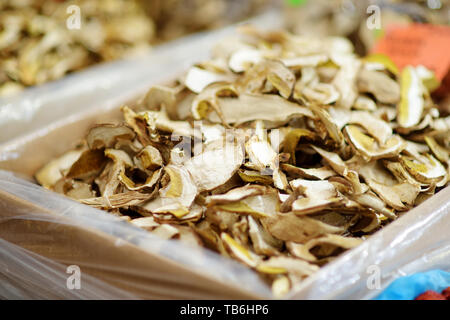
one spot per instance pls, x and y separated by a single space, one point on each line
43 40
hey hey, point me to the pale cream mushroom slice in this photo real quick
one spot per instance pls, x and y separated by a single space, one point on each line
282 264
317 196
263 242
322 247
411 106
106 135
290 227
176 198
204 168
198 79
250 107
425 169
238 251
369 148
50 173
400 196
244 58
208 99
259 206
384 89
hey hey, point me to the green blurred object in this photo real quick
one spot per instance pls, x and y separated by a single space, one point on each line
296 3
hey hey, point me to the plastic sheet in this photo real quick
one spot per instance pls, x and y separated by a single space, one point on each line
42 232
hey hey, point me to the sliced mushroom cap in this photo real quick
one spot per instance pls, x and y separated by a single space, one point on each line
106 135
198 79
49 174
369 148
410 108
249 107
385 89
290 227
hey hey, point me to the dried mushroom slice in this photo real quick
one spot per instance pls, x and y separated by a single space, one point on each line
318 195
88 165
397 196
302 148
384 89
290 227
106 135
250 107
208 99
411 106
198 79
370 149
49 174
238 251
280 265
322 247
425 169
204 170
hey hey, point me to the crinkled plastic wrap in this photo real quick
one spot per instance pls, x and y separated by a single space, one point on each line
42 233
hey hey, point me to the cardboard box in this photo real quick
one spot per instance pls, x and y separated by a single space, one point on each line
43 232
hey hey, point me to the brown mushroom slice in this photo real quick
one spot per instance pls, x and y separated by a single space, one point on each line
396 196
322 247
254 177
150 181
149 158
411 106
263 242
385 89
330 125
204 168
198 79
290 227
118 200
425 169
238 251
282 264
292 139
208 99
49 174
370 200
250 107
88 165
369 148
106 135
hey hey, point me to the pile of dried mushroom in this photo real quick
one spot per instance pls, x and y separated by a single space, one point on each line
40 41
36 44
281 152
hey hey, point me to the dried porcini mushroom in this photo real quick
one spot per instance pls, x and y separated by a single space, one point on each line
303 150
